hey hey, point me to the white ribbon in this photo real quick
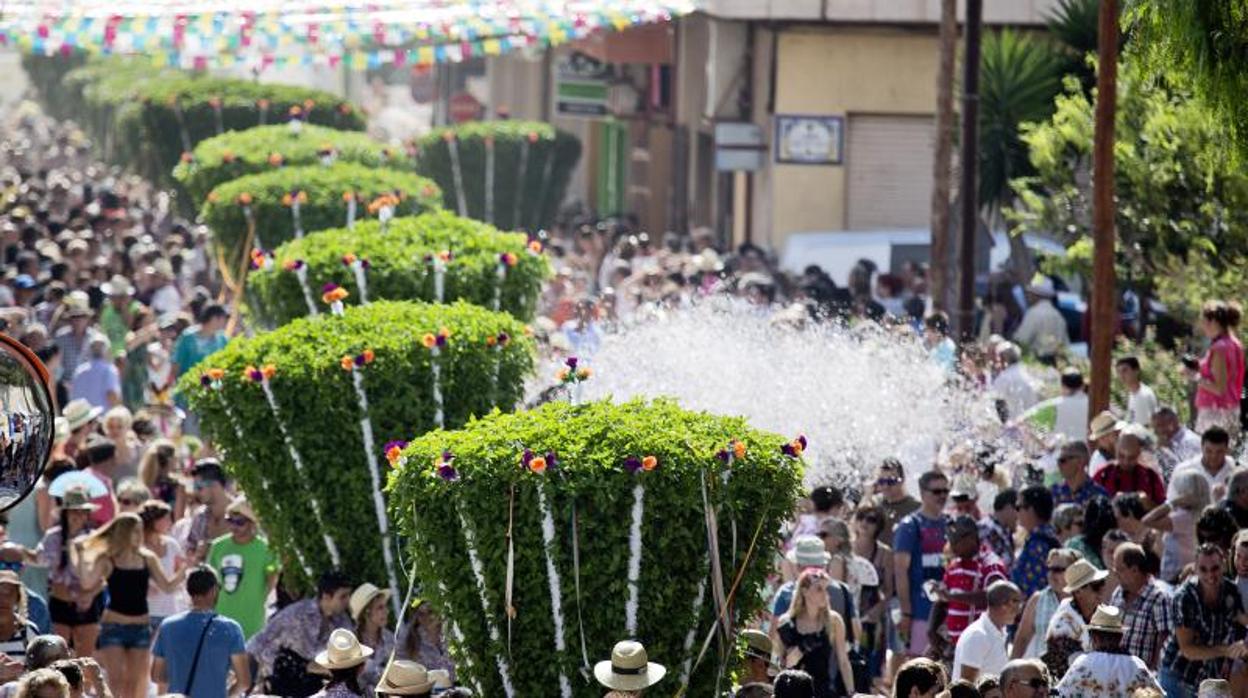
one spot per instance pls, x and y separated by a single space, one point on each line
357 268
489 181
301 273
504 671
634 562
294 456
556 593
379 504
296 126
437 386
501 273
439 278
524 172
296 217
460 200
692 634
351 213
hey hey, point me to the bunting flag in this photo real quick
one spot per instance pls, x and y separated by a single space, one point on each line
201 34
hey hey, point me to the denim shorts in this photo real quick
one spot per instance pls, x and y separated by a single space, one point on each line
130 636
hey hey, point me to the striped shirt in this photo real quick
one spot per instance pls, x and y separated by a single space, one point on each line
15 646
968 576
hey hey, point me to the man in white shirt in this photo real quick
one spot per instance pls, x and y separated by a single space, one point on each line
1014 384
1213 462
1175 442
1141 401
1106 671
1072 407
1043 329
983 646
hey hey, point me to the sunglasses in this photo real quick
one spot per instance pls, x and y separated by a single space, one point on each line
128 502
237 521
1097 586
939 493
16 566
1055 568
887 481
1037 683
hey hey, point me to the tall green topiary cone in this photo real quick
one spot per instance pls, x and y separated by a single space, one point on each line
235 154
458 524
318 408
532 164
485 267
325 206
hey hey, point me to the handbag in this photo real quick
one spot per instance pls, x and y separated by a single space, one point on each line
290 676
199 648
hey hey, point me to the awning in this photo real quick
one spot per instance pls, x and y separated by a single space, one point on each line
259 33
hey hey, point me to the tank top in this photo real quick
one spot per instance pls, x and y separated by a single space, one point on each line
1233 352
127 591
817 656
1045 606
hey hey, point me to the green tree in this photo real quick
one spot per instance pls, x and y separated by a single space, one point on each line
1180 200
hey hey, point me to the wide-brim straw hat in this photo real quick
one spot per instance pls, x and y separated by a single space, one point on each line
1104 424
79 413
1107 619
1082 573
363 596
628 669
343 651
405 678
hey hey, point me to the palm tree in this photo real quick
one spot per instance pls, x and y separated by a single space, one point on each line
1073 25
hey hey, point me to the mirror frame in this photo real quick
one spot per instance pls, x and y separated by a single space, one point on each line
42 379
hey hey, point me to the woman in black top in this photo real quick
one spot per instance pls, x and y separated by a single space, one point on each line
812 635
115 553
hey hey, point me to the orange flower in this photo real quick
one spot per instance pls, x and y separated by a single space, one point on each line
393 454
429 341
348 196
533 136
535 246
445 255
797 446
561 375
528 330
251 373
296 111
738 449
369 356
383 201
216 374
269 370
428 190
444 333
287 199
491 341
583 373
448 136
348 259
347 363
334 295
538 465
649 463
244 199
227 157
308 104
275 159
188 158
262 103
213 197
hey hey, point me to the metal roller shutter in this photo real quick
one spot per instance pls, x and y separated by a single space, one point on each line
889 161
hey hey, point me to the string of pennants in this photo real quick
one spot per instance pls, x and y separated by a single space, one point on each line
291 33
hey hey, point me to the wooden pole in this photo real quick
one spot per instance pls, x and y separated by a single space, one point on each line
1104 312
970 171
941 165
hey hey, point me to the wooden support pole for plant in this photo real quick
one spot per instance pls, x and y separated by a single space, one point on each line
970 171
941 163
1104 315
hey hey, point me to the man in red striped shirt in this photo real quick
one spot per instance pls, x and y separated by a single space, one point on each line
967 576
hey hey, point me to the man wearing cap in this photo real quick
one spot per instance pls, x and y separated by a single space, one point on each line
1108 671
1076 487
984 647
248 568
1043 329
208 522
194 651
1145 604
628 670
967 577
1127 474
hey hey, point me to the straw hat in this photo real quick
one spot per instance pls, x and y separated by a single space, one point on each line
118 286
1082 573
757 644
242 508
1042 286
363 596
1214 688
405 678
79 413
343 651
808 551
1104 424
1107 619
77 499
629 669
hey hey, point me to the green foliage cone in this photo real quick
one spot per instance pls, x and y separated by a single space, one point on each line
400 266
237 153
524 198
319 408
591 443
325 206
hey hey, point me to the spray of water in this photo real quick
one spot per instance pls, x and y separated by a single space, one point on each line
859 395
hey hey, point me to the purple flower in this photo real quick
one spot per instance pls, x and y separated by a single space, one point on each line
394 444
722 455
447 472
787 450
359 359
526 457
428 259
632 464
205 381
447 456
365 264
571 362
551 461
331 286
503 338
801 438
441 340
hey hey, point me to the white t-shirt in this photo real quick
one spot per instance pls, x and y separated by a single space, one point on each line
1072 416
1222 478
1141 405
982 646
161 604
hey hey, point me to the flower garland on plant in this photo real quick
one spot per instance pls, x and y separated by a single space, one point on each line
794 448
215 104
262 109
383 207
333 295
296 120
497 342
438 263
211 380
294 200
352 202
572 375
352 364
358 266
434 343
260 259
452 146
244 200
262 376
634 465
506 260
541 465
300 271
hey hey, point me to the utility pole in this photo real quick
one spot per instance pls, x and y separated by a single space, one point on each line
970 170
1104 312
941 166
